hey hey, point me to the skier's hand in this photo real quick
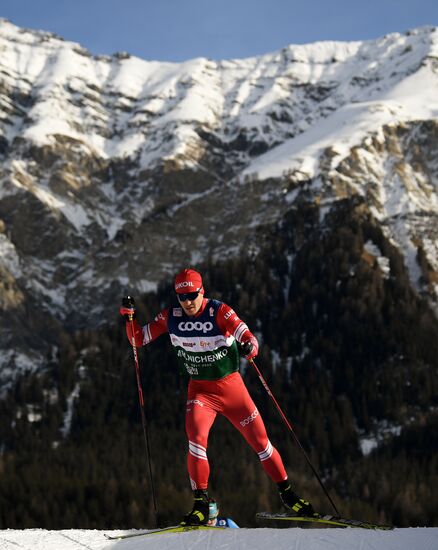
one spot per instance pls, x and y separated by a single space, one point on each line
127 309
250 348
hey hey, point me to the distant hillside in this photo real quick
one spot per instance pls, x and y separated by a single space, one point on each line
348 348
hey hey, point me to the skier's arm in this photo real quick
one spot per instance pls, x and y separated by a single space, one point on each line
155 328
147 333
229 323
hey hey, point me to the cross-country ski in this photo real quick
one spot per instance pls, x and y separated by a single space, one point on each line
334 521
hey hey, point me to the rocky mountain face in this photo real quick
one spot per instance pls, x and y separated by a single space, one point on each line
116 171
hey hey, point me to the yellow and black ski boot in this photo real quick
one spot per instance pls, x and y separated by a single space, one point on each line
294 503
200 512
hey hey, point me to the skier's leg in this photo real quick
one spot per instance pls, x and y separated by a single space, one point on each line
244 415
200 415
199 419
253 430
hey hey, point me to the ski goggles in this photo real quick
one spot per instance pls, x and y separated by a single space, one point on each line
183 297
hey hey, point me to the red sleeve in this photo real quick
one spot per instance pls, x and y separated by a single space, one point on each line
156 328
230 323
150 331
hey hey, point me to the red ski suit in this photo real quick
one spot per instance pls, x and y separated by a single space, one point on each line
206 398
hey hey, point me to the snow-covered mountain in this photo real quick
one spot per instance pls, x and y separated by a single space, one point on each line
116 171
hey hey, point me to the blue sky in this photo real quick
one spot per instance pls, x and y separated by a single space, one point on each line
176 30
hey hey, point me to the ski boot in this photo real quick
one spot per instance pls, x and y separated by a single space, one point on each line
294 503
200 513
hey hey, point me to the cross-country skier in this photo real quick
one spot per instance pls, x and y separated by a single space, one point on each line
203 333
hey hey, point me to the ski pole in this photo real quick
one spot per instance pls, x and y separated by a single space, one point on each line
288 424
143 416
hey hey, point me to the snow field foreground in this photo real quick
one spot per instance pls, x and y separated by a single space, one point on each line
420 538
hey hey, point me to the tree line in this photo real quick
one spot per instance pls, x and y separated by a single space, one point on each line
346 349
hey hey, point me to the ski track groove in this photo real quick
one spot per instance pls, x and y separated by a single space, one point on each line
3 540
76 541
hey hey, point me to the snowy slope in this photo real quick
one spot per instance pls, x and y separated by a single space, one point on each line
295 103
231 539
380 83
118 106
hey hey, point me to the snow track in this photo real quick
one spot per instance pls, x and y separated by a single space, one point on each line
231 539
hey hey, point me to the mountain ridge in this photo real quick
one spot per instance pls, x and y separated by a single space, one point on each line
112 160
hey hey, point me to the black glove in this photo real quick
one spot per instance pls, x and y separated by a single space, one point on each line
246 348
250 348
127 308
